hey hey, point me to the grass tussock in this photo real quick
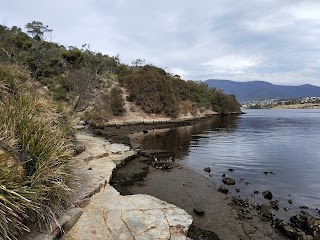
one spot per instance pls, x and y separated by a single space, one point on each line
36 177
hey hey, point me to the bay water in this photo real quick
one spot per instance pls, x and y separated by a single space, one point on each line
275 150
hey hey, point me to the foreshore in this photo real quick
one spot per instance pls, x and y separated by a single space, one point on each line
189 190
178 188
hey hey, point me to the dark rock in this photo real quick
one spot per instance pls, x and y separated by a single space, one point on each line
318 210
197 233
288 230
158 154
286 209
256 192
223 175
237 190
210 175
230 169
90 168
130 173
163 164
303 207
207 169
241 202
199 211
267 194
255 205
145 131
223 190
309 224
275 205
290 201
229 181
266 173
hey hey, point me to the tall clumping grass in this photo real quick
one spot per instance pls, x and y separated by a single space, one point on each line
36 178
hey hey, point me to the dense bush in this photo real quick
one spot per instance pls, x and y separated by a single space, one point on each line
116 101
158 92
36 171
151 90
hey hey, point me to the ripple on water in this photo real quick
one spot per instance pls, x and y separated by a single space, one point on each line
285 142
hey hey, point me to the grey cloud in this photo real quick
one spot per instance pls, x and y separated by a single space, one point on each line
270 40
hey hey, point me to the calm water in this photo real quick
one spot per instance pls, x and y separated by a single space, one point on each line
286 142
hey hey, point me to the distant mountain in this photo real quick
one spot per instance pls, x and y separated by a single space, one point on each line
260 90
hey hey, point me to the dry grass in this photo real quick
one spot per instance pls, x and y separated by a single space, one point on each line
36 177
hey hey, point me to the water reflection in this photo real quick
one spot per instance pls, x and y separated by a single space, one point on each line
179 139
285 142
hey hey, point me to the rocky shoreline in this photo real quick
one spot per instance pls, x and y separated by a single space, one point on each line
258 218
106 162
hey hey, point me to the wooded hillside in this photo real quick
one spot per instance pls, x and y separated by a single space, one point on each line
84 78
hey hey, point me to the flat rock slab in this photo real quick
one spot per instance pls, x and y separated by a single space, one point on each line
94 166
112 216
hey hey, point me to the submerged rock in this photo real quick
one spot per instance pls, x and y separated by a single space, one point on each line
223 190
207 169
228 181
230 169
199 211
303 207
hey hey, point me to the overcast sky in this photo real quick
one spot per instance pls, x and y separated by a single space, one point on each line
272 40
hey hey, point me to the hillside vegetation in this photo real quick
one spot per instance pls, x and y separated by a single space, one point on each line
94 82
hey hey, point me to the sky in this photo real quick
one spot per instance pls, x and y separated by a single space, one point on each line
271 40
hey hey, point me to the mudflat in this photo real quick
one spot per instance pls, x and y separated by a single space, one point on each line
192 191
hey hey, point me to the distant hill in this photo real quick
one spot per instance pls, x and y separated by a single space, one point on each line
260 90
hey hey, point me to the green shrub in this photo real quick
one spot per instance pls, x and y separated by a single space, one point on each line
116 101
